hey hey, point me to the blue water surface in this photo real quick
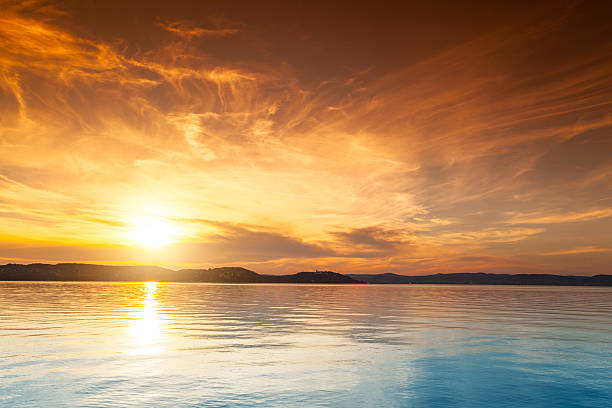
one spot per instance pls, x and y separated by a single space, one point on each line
206 345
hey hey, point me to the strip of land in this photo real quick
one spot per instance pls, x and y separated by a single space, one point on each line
112 273
487 279
89 272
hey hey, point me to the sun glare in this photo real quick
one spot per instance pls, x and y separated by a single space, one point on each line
147 328
153 233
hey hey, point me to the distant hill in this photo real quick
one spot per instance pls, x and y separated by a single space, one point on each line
88 272
311 277
487 279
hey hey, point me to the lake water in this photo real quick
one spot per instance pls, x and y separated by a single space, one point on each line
188 345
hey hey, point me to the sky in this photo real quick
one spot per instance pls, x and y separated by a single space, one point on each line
427 137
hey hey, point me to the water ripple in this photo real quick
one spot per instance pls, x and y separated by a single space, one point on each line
153 344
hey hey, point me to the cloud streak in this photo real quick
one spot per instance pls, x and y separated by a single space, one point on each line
187 31
550 217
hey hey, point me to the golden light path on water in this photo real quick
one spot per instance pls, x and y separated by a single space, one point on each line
146 330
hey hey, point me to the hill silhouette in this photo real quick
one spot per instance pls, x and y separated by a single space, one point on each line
481 278
232 274
88 272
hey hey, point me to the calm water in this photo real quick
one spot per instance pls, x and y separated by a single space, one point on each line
183 345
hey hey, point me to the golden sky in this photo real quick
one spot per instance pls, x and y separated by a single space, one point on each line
285 137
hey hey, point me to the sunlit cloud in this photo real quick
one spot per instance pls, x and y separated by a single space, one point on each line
469 155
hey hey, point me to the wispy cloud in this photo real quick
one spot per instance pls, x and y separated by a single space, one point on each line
304 152
189 31
577 251
557 217
487 235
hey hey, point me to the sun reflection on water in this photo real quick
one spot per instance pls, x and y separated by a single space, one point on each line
147 327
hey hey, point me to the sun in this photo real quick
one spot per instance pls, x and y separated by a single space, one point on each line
153 232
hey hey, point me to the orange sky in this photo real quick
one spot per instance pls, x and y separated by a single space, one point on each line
415 139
